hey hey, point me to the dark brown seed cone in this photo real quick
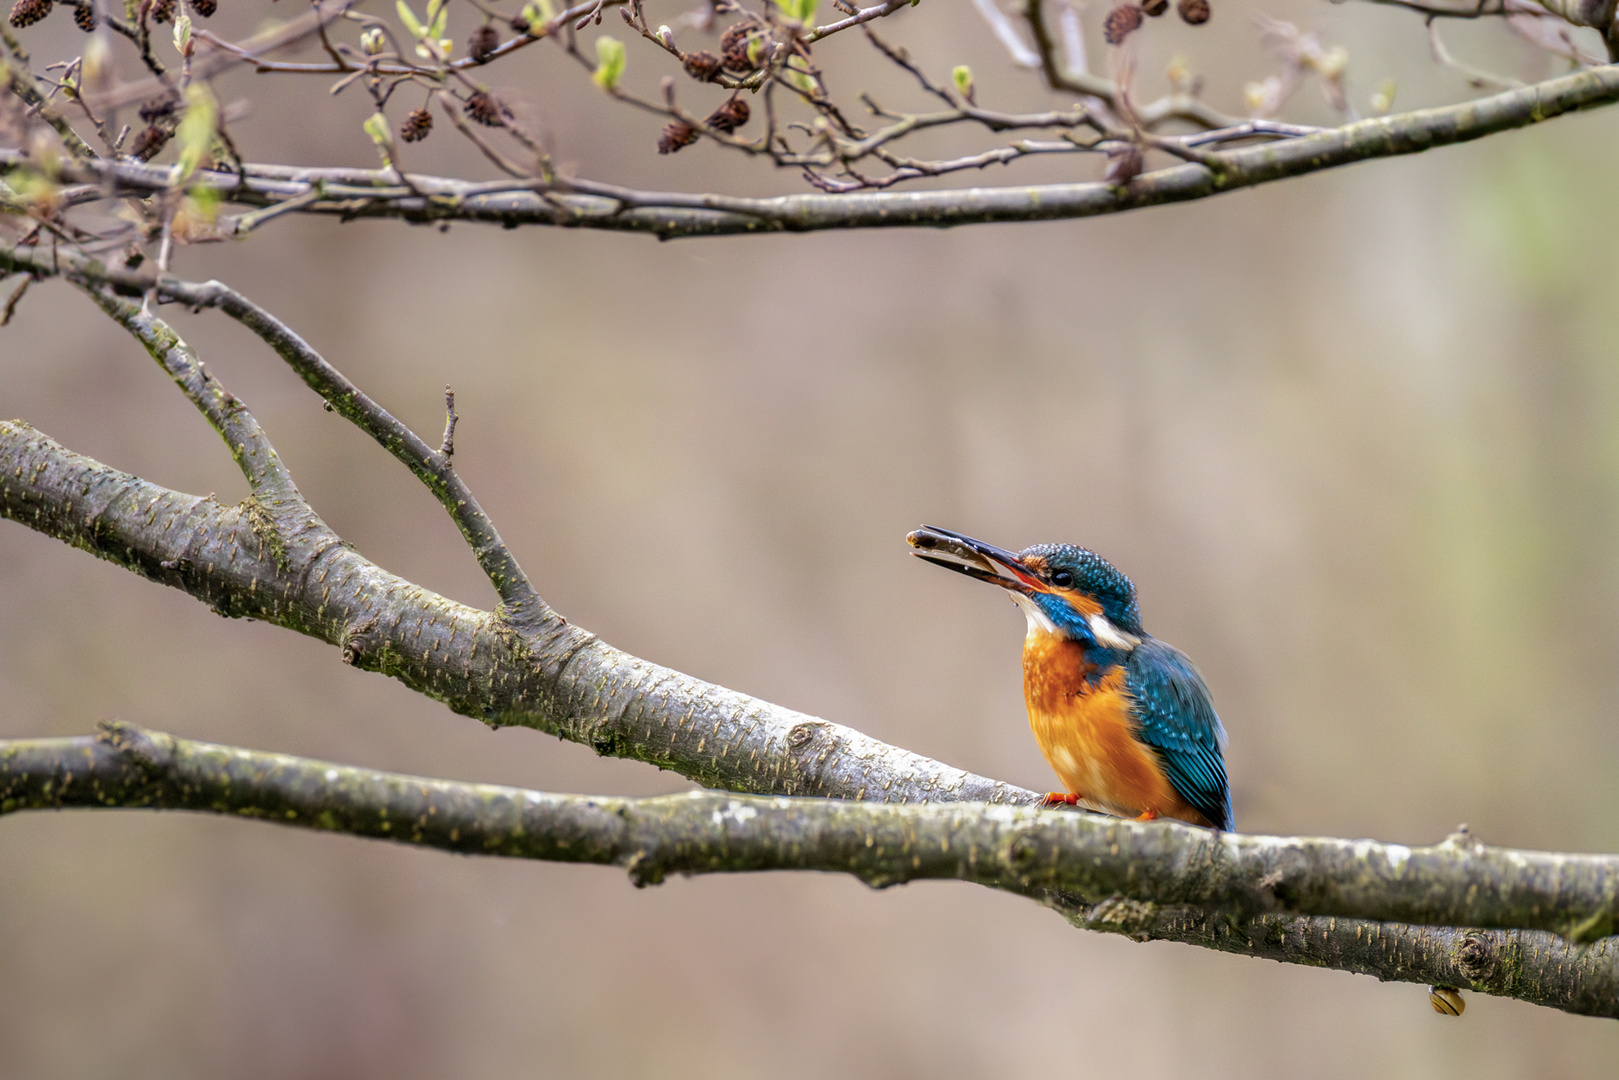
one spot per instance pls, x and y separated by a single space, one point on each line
483 108
205 8
734 48
730 116
28 12
1123 166
483 42
416 126
1120 23
703 66
1195 12
84 17
677 134
157 108
1155 8
162 11
147 144
520 25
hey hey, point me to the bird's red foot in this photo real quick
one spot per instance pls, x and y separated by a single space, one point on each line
1057 798
1148 815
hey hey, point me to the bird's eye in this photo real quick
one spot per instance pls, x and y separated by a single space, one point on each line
1062 579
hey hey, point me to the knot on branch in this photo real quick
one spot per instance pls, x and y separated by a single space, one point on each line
643 869
355 641
803 734
606 742
1023 854
152 751
1475 955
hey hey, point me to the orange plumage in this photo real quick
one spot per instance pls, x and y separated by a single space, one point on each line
1082 722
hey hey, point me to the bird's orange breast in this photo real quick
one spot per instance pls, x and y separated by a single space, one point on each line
1082 721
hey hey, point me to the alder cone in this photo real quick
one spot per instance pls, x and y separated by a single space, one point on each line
28 12
703 66
677 134
162 11
1155 8
483 42
158 107
205 8
483 108
149 143
730 116
416 126
734 48
84 17
1195 12
1120 23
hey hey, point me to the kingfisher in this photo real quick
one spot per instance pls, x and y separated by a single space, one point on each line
1124 720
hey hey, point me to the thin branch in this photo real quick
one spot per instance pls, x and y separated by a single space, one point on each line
351 193
206 66
249 446
1005 31
1142 879
446 447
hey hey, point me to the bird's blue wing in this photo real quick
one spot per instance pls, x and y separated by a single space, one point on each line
1178 720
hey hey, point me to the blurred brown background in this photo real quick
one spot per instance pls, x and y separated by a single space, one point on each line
1353 436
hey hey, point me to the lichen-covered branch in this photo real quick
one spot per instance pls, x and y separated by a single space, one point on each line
1146 880
247 560
273 559
575 686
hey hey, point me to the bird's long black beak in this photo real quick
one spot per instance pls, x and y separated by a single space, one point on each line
976 559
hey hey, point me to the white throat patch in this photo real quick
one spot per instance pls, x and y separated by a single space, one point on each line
1107 635
1039 624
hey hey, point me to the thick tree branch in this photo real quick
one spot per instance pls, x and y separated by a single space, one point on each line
351 193
1162 880
274 560
250 561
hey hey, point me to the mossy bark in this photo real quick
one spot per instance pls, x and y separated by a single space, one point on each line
1116 876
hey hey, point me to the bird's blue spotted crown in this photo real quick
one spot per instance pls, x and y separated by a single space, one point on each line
1091 574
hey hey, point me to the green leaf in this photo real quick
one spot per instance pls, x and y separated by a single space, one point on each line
962 76
609 62
413 24
196 131
802 10
376 126
205 201
539 13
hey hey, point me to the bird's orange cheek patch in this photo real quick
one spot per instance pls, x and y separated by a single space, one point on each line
1081 603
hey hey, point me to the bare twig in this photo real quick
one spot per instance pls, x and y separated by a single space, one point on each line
446 447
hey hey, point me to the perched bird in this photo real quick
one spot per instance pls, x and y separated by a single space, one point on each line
1124 719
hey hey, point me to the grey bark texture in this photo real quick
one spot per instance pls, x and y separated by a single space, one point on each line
1149 881
1531 925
